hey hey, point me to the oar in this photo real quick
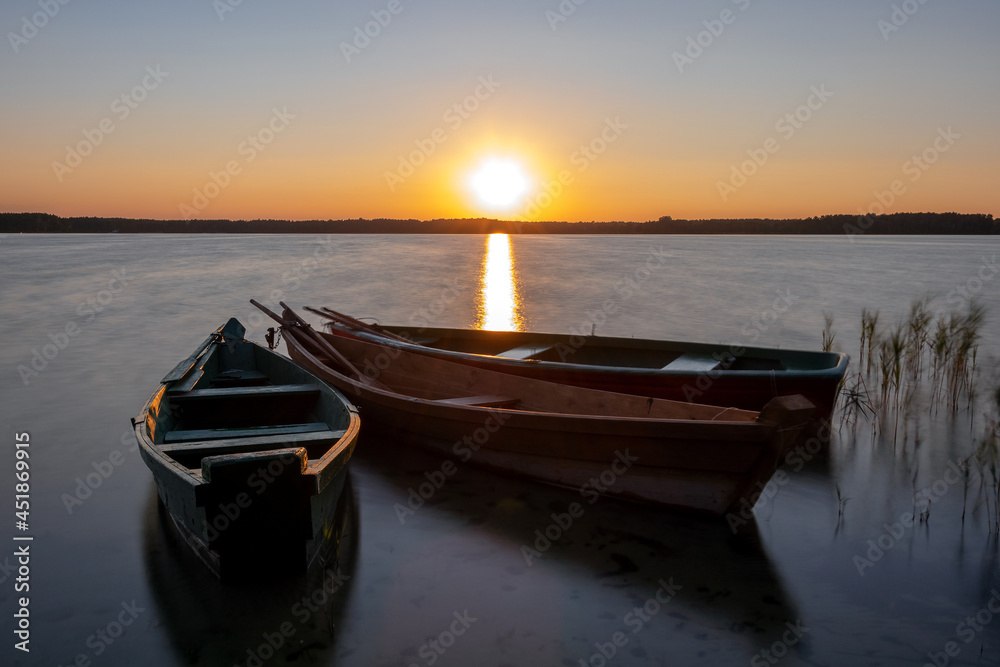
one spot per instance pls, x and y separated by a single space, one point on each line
328 348
310 336
181 369
358 324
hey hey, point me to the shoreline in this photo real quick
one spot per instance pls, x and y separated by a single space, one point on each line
896 224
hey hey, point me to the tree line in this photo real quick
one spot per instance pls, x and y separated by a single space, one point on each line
844 225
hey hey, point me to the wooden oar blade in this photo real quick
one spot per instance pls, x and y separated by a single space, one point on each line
181 369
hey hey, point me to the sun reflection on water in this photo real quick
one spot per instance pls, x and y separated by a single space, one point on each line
499 306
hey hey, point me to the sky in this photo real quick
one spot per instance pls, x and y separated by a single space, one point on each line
595 110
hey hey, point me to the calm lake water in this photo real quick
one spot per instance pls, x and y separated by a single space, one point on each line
450 585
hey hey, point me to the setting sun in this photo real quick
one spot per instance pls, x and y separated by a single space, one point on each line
499 183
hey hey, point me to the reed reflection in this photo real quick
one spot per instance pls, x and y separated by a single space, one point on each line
499 307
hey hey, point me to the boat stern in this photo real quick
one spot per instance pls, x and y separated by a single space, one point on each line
257 511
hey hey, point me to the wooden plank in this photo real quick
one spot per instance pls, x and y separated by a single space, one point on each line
482 401
237 375
181 369
248 392
522 352
693 362
193 435
189 381
258 442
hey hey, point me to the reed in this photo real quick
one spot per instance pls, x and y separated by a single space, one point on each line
857 401
910 369
917 333
988 459
957 347
841 502
921 358
869 337
828 333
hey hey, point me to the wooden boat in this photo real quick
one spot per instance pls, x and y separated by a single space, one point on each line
249 453
685 455
699 372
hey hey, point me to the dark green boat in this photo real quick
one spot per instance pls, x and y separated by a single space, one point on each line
249 453
729 375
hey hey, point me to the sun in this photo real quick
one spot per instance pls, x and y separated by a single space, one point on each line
499 183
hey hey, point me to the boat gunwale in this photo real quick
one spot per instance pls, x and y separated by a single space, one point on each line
834 372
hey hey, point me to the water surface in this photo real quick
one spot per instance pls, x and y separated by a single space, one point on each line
141 303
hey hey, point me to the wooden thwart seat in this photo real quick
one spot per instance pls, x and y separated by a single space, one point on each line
194 435
522 352
284 390
693 362
258 442
240 378
482 401
190 455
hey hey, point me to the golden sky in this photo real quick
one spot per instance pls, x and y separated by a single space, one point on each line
600 110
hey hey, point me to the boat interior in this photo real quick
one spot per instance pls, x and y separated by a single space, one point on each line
239 399
594 352
447 382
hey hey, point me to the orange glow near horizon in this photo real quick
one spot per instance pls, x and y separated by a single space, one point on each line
499 302
103 122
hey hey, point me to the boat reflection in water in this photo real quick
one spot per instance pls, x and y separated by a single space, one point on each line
269 619
561 588
499 303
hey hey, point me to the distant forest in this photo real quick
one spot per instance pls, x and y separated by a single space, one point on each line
847 225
